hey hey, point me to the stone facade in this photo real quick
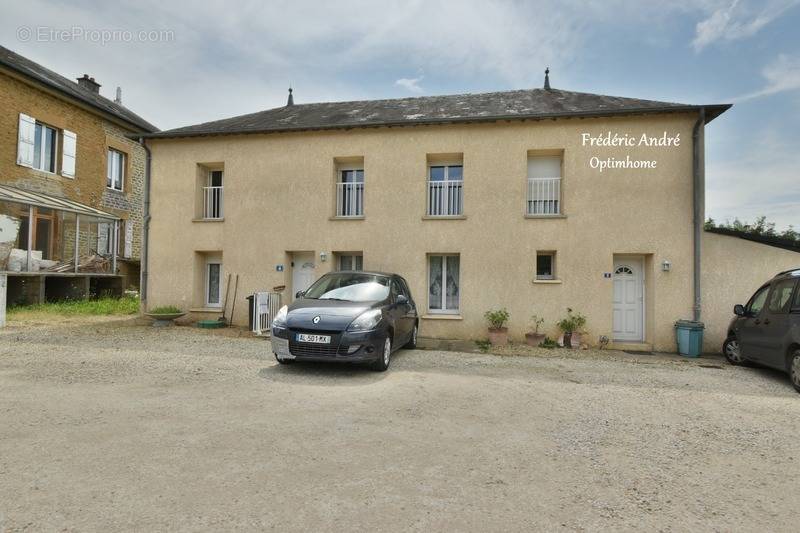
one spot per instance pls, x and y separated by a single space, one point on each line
96 133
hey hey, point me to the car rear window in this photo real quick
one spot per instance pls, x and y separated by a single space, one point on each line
780 296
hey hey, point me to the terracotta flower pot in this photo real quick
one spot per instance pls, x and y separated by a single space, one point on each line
575 341
534 339
498 336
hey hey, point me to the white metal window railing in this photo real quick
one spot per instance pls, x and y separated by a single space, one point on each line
445 197
265 306
544 196
350 199
212 202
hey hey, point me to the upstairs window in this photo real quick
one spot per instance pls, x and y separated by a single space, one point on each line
544 185
115 174
445 190
350 192
213 195
37 147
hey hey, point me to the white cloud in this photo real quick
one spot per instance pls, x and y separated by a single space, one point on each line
781 75
738 20
410 84
761 180
225 61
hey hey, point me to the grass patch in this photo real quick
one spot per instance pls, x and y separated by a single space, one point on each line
127 305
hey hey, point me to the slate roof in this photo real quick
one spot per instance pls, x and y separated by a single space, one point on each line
71 89
460 108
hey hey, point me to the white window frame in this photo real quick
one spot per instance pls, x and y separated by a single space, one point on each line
446 165
206 295
213 196
352 257
42 148
550 185
340 186
123 161
443 284
552 255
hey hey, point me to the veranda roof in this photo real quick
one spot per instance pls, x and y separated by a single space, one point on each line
20 196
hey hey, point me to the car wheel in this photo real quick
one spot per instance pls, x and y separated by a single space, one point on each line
283 361
794 370
732 351
412 342
386 356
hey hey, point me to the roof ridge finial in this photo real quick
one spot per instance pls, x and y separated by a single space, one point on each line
547 78
290 101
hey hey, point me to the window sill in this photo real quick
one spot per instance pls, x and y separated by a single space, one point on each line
44 173
208 219
546 216
441 316
444 217
215 310
361 217
547 281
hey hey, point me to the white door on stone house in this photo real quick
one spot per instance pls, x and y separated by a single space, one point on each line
302 271
628 321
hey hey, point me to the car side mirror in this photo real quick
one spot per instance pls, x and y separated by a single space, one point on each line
738 310
299 294
401 299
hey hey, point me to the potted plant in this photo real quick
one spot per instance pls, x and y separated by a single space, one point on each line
164 315
498 332
572 325
534 338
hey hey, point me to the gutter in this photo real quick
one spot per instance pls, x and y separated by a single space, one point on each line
145 226
698 204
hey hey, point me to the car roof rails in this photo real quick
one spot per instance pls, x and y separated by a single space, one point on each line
792 271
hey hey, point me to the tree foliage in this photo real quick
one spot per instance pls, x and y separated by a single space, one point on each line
761 226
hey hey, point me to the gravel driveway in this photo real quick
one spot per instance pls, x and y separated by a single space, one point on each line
107 426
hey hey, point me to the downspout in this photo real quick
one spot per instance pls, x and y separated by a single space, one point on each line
145 226
698 201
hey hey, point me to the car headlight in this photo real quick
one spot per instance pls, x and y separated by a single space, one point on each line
280 318
366 320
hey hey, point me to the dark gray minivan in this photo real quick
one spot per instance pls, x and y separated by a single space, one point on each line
766 331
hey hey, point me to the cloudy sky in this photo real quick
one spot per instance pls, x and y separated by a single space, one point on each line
218 59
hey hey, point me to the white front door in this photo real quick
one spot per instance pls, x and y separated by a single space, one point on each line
628 299
302 271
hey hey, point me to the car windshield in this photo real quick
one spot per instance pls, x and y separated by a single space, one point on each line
350 287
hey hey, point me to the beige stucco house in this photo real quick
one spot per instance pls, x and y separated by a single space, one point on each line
533 200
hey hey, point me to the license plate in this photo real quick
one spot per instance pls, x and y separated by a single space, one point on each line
317 339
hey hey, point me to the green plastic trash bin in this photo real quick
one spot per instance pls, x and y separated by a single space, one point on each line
689 335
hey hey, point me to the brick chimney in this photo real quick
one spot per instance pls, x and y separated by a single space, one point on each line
89 84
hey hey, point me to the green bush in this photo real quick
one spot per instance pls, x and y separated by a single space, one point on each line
548 343
483 345
497 319
572 322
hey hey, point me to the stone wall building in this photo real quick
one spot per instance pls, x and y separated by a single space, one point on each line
66 151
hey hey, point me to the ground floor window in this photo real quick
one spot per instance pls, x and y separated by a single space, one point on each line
213 285
546 265
444 283
351 262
